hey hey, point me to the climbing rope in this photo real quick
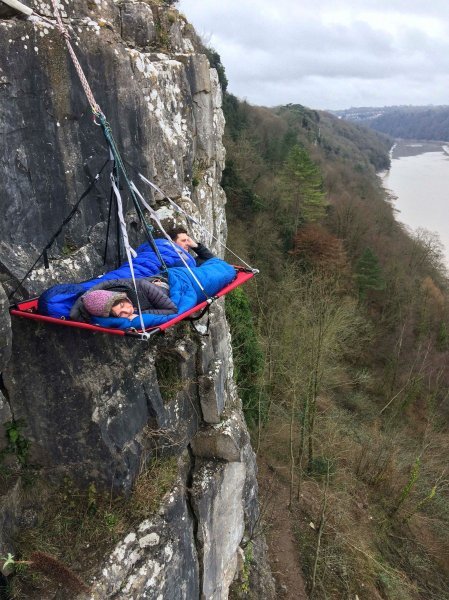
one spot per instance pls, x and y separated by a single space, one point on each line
85 84
109 137
107 131
119 169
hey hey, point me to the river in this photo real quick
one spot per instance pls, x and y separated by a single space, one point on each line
419 179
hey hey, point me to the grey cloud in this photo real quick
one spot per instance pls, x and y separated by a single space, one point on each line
306 48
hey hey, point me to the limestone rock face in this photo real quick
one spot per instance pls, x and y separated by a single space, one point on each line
101 393
218 504
5 330
138 28
157 560
91 406
5 417
225 441
5 354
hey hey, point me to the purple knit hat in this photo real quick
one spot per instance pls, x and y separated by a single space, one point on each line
99 302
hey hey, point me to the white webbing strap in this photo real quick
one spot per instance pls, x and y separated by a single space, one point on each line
130 253
19 6
154 216
193 220
29 12
178 208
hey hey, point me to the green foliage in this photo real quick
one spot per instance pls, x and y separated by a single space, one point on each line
163 35
406 490
319 329
321 466
17 444
69 247
392 585
316 339
368 274
248 357
8 561
215 62
92 503
249 557
154 481
238 191
236 115
303 198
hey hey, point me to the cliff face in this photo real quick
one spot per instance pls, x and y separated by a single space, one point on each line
91 407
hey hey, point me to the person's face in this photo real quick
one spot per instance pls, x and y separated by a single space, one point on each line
183 240
123 309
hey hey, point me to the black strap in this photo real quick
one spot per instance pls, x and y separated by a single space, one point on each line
197 318
192 325
49 244
121 170
106 244
201 315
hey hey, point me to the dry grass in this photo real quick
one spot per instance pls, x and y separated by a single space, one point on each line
151 486
79 528
364 550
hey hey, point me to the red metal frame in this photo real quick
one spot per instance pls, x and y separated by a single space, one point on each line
28 310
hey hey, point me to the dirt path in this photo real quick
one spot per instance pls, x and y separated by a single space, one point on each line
282 546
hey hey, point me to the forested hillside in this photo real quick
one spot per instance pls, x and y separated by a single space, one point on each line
407 122
342 349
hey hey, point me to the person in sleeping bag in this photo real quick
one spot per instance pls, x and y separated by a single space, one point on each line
180 236
117 298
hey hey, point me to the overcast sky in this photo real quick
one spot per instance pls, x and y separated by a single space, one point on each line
329 53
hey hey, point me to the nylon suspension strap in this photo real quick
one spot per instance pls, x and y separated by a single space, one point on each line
195 221
130 253
49 244
19 6
180 253
121 170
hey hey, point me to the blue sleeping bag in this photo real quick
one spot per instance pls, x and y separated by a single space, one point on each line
58 300
213 275
147 263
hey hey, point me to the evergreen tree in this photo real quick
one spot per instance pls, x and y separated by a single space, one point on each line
304 200
368 274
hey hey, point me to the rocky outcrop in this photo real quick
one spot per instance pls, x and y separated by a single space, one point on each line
158 559
93 407
218 504
5 355
5 330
